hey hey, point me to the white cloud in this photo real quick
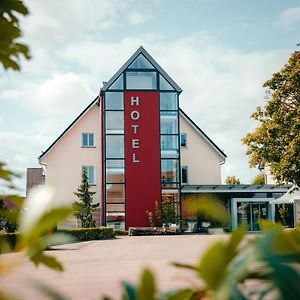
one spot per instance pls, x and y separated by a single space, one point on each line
289 17
20 151
60 95
221 86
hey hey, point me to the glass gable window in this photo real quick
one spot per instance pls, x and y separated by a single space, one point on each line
164 85
141 80
118 84
141 74
90 170
115 122
88 140
115 146
114 101
115 171
168 101
169 171
141 62
169 122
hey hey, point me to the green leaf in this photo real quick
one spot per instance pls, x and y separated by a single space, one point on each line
147 289
182 294
286 279
213 265
47 260
47 222
129 291
235 240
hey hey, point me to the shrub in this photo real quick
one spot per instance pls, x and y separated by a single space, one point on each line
8 238
121 232
88 234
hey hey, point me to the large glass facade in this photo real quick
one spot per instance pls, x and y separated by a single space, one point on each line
140 75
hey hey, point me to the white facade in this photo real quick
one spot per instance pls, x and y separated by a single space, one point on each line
200 155
63 161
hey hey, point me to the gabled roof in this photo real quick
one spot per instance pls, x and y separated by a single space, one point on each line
203 134
95 101
139 51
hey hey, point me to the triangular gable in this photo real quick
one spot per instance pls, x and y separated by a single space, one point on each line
203 134
87 109
141 60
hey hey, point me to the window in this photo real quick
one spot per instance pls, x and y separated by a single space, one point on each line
115 170
168 101
141 80
183 139
118 84
168 123
115 193
90 170
164 85
115 122
169 171
184 175
88 140
115 146
141 62
114 101
169 142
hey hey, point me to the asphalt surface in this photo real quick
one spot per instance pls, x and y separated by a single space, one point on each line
97 268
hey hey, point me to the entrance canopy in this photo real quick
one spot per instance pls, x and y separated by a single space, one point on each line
289 197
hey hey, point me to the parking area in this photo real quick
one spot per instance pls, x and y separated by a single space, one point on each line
97 268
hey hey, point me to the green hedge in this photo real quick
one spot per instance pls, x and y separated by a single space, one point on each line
88 234
8 238
121 232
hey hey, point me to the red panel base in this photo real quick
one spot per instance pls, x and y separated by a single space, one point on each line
142 155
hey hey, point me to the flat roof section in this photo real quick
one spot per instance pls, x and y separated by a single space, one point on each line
235 188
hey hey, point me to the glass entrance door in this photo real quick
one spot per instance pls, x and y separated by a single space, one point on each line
251 213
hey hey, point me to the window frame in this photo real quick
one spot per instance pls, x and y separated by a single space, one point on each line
88 140
184 168
94 174
185 144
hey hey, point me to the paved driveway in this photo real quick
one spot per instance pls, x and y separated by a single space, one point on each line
97 268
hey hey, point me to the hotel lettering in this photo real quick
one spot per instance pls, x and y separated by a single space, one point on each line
135 116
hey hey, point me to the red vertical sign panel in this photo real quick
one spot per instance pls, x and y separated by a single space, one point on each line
142 155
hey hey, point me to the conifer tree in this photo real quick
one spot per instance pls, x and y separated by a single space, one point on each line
84 207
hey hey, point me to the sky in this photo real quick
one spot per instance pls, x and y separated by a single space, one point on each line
219 52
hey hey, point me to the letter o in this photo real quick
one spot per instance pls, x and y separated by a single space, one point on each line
135 115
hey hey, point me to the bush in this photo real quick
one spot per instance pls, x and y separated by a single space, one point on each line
121 232
8 238
88 234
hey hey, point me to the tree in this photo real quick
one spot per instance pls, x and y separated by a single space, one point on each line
168 214
5 223
259 179
10 32
84 208
276 141
232 180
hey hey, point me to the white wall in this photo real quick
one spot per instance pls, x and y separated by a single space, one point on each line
63 163
199 156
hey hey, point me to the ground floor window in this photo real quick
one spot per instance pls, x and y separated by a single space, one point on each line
90 170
